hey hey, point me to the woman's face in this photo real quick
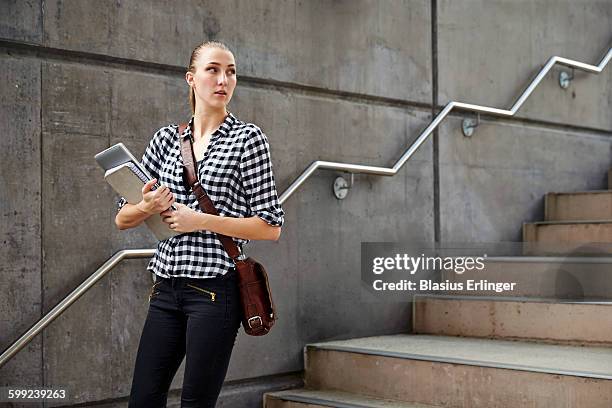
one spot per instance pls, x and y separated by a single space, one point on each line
214 78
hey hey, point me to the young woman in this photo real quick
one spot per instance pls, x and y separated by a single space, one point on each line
194 305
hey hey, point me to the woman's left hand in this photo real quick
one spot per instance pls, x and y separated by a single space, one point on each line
184 219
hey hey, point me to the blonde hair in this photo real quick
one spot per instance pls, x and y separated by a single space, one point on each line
195 54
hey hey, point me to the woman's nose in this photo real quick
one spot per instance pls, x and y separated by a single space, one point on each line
222 78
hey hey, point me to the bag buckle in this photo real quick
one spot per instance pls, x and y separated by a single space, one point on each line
255 318
192 188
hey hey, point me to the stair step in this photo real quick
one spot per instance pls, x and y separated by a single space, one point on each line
585 205
302 398
546 321
461 372
567 237
591 362
543 277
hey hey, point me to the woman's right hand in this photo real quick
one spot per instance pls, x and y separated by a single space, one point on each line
157 201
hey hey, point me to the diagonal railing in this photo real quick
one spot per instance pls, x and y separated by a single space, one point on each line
391 171
72 297
316 165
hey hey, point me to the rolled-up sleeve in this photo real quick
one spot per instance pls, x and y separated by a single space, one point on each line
120 203
258 179
150 161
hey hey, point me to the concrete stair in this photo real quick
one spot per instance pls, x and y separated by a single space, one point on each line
579 223
587 205
576 278
572 323
463 372
590 237
305 398
484 370
546 344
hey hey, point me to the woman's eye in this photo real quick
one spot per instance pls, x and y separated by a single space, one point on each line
232 71
213 68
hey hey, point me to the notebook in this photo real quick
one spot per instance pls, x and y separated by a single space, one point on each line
127 176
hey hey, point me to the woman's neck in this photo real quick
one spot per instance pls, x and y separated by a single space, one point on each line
206 121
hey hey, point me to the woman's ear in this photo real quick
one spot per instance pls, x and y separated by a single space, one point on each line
189 78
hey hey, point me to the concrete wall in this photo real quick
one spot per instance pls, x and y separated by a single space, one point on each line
351 81
488 52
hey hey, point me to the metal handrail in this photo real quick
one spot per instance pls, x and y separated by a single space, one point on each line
390 171
71 298
319 164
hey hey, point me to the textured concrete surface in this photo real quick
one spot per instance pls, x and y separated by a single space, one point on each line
20 215
276 403
75 243
21 21
590 362
556 278
380 206
76 100
250 393
519 38
238 394
566 237
495 180
588 205
451 385
495 318
268 39
304 398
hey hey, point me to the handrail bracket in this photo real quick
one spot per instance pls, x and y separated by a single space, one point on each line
341 187
469 125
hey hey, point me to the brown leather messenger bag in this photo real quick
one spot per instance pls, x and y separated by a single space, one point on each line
258 309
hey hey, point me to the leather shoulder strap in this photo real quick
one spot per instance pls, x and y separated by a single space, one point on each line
206 204
188 157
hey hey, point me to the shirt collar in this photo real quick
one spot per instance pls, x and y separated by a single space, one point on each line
223 129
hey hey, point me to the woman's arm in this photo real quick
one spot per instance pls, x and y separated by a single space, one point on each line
132 215
184 219
247 228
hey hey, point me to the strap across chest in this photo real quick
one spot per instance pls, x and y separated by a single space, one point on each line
204 200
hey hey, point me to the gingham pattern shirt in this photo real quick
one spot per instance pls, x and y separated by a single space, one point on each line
235 172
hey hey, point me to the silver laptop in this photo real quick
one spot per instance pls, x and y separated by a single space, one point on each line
117 155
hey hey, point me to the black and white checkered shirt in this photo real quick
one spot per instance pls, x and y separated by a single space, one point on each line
236 173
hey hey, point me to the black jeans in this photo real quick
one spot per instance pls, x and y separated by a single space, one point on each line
193 318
